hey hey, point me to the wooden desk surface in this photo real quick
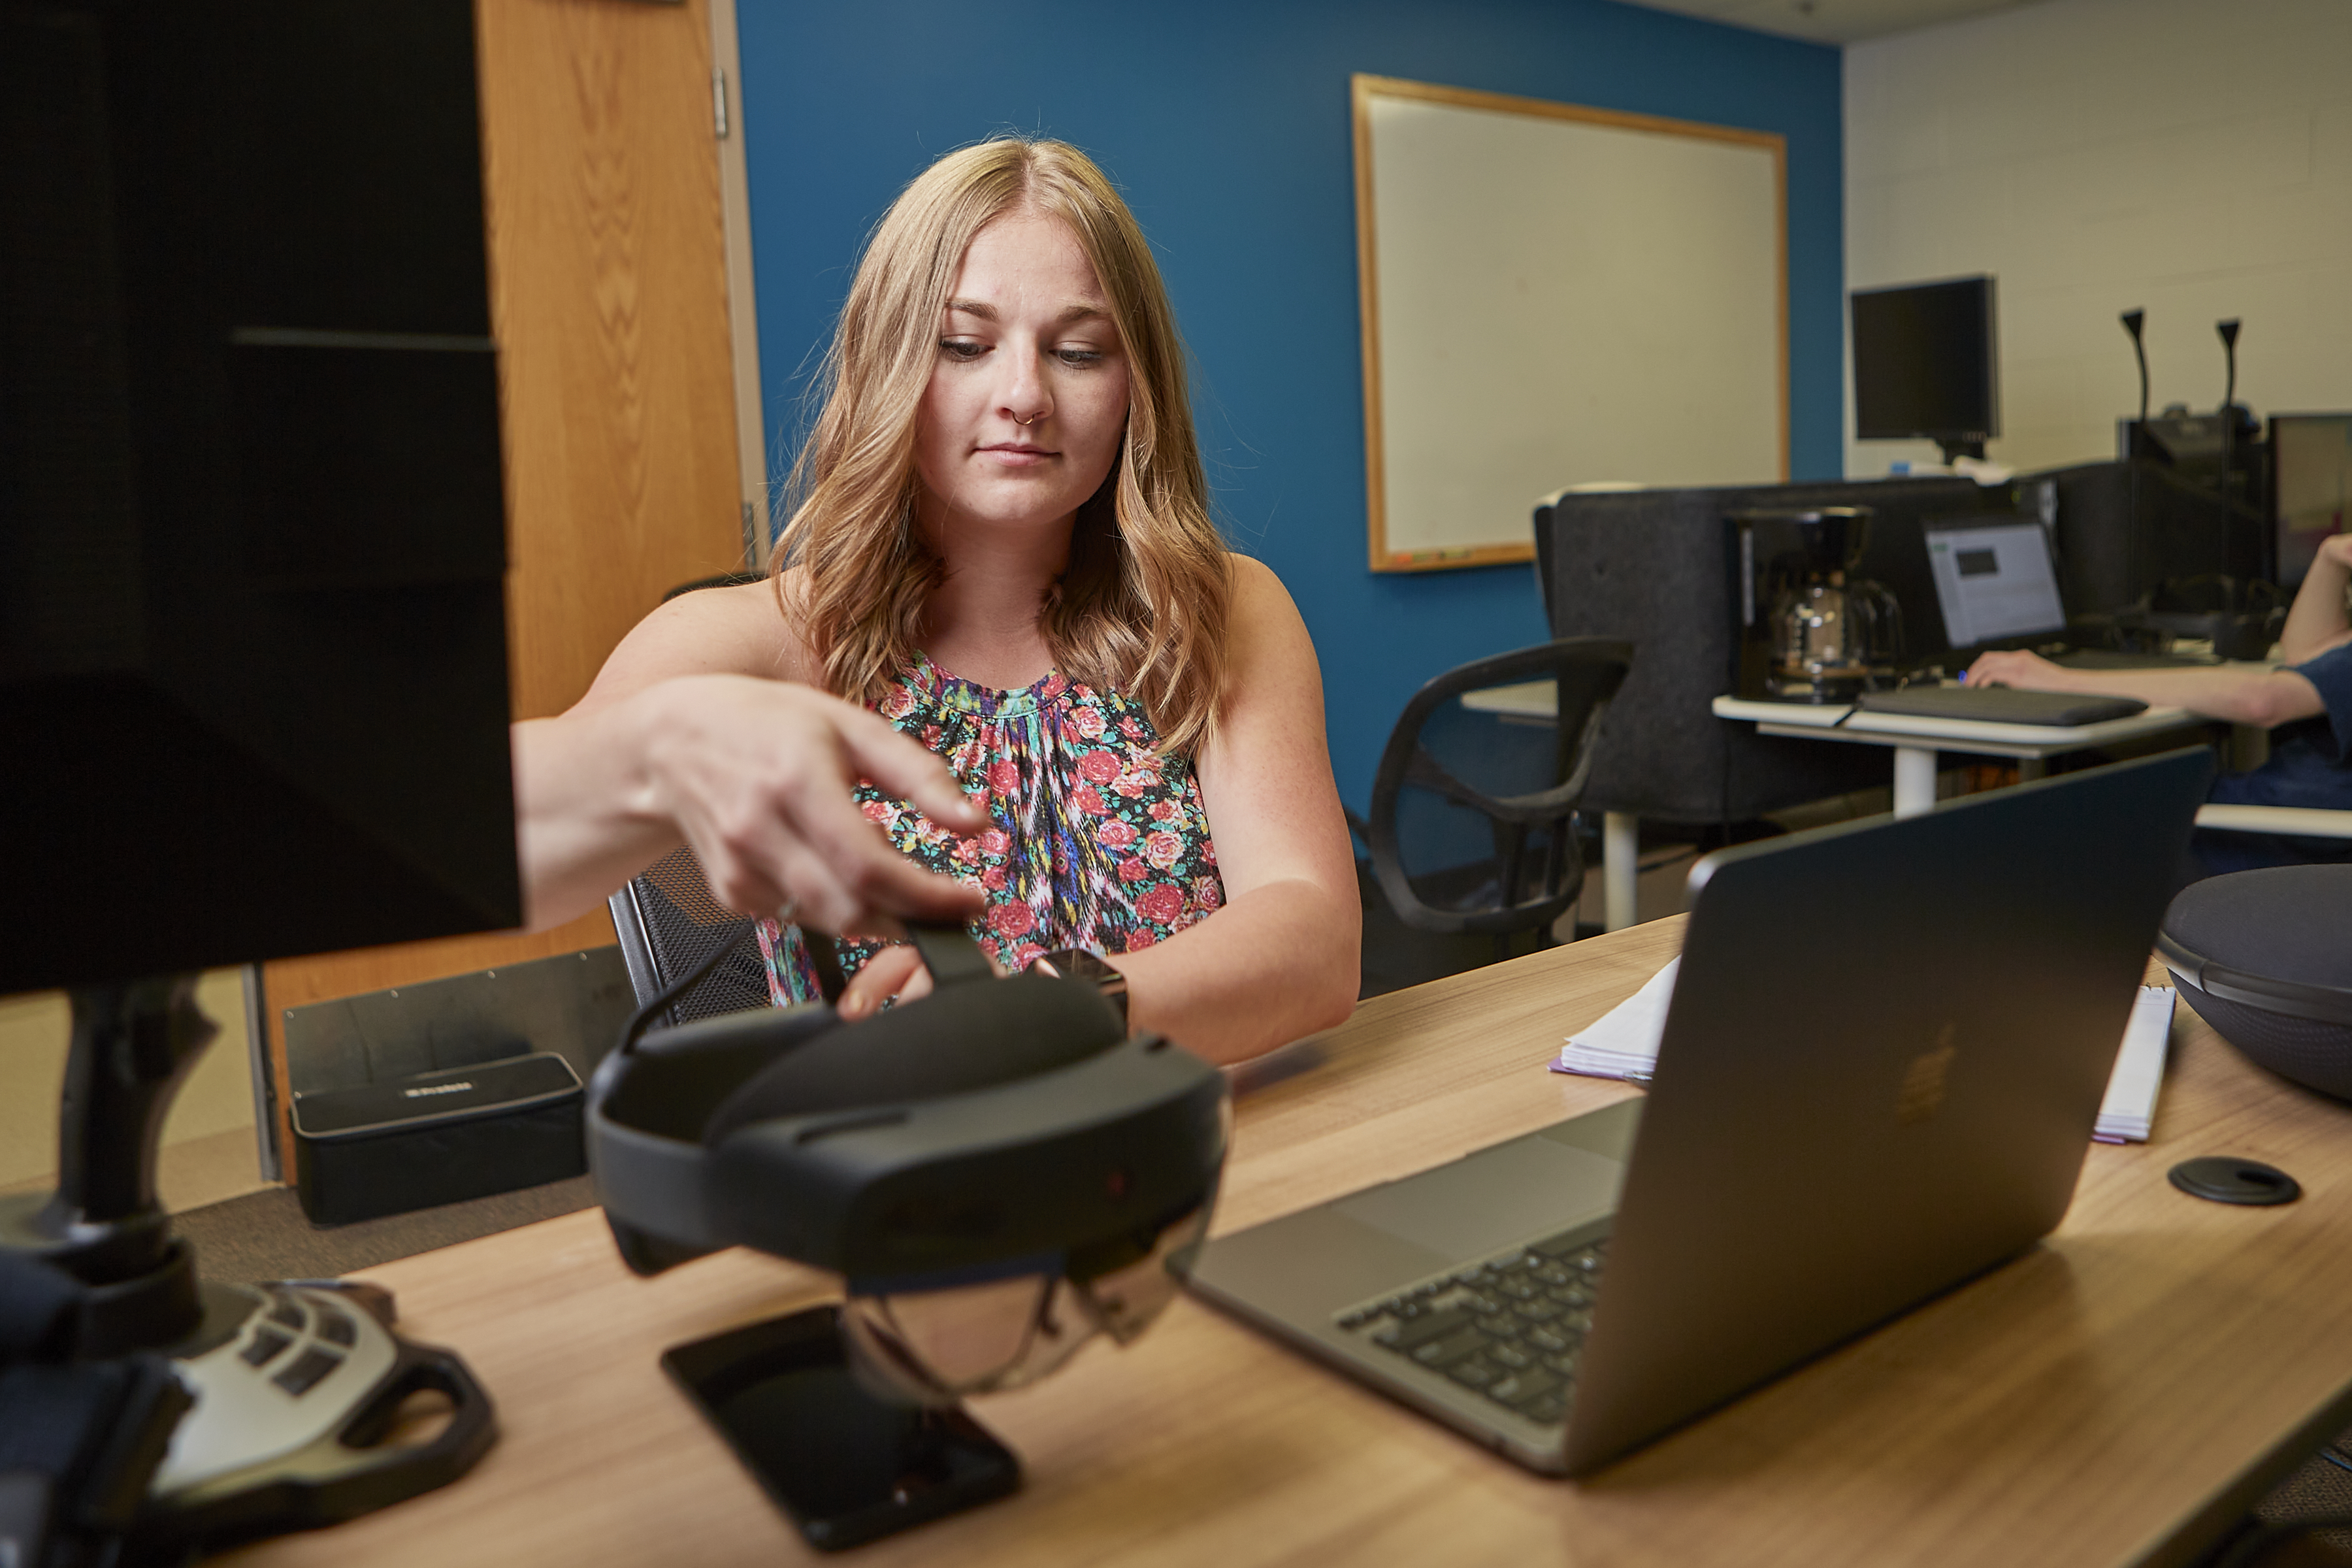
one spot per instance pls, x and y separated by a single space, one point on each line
2116 1395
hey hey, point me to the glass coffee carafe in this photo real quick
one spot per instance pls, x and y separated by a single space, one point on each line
1834 635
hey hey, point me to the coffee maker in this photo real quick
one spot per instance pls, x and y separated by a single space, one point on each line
1813 632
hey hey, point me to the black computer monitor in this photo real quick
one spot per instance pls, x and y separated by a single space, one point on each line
1925 364
252 529
2310 488
253 695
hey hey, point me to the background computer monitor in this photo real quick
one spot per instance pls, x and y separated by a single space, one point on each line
2124 531
2311 484
252 541
1925 364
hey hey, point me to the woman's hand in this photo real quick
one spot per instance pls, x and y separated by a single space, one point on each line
896 971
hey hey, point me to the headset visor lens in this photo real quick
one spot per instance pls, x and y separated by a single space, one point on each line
1124 1299
936 1347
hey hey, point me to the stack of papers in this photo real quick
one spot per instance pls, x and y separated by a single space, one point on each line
2130 1105
1624 1043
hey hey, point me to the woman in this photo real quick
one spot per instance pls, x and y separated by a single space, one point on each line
1001 545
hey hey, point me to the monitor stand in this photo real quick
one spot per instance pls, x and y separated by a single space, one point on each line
133 1046
301 1391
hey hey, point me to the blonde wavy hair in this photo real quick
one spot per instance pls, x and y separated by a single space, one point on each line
1141 606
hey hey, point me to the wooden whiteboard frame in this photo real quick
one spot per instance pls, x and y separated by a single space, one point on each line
1367 87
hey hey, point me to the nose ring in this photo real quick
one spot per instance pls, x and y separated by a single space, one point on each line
1032 419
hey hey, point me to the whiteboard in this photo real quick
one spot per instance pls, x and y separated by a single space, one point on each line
1556 296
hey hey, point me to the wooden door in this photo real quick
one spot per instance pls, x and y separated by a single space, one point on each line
608 295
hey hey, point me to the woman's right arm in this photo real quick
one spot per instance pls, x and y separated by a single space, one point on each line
696 734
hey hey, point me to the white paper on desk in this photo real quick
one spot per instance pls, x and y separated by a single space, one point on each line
2131 1105
1624 1043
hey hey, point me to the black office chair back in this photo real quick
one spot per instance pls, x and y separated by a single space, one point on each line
668 921
1471 825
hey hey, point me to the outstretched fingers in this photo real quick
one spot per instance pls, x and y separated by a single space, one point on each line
862 876
760 777
901 767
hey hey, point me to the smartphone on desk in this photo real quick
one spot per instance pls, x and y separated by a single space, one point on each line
845 1466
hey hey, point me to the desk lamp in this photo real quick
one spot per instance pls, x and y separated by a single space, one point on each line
998 1172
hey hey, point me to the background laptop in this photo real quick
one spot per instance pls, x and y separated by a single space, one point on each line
1995 586
1996 583
1814 1156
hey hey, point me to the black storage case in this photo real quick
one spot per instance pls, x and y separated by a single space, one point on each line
2262 956
437 1138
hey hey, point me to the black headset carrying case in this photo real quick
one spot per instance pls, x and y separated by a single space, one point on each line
2265 957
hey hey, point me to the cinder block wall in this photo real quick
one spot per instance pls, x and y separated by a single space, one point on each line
2191 158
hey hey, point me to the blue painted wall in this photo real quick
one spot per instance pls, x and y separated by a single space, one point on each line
1226 123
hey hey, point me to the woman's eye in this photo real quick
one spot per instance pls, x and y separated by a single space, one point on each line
1080 356
961 348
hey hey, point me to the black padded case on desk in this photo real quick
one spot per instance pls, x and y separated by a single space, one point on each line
437 1138
2000 705
2265 957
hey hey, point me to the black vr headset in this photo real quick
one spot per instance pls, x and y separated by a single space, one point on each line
997 1170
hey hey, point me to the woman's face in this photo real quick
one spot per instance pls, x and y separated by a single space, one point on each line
1027 404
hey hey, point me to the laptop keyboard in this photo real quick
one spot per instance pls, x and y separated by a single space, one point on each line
1509 1328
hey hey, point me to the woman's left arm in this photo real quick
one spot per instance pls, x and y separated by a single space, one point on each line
1282 958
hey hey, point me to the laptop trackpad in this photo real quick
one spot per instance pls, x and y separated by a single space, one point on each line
1498 1197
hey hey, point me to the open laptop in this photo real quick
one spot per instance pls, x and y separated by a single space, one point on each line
1995 586
1996 582
1885 1050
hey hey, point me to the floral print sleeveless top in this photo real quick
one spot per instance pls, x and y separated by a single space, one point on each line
1097 840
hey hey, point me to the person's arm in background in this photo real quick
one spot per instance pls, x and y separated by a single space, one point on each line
2319 620
2261 697
2315 621
691 734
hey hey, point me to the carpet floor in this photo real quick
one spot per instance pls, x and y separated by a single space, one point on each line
265 1236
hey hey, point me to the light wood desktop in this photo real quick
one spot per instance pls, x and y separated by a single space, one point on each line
2117 1395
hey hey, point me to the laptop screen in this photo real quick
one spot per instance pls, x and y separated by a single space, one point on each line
1994 582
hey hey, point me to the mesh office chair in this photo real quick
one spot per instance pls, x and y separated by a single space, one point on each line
1473 822
668 921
